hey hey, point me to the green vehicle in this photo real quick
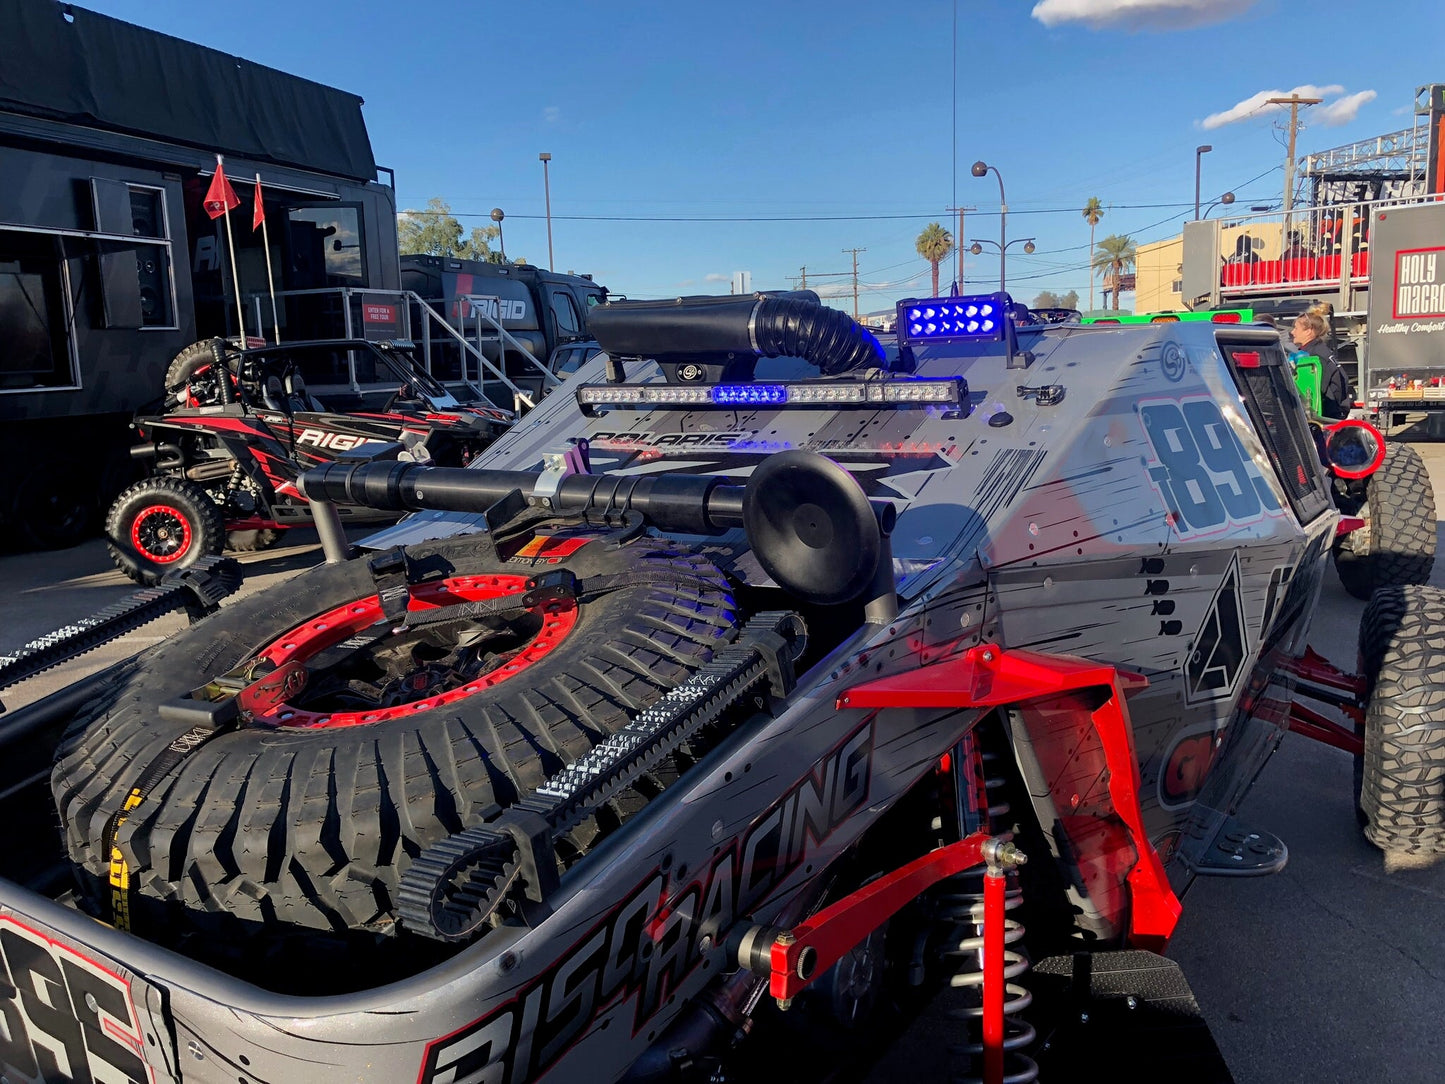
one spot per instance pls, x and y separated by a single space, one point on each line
1216 316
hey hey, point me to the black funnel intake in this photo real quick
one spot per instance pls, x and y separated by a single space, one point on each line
813 529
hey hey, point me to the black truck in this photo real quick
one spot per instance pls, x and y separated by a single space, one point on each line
541 311
109 265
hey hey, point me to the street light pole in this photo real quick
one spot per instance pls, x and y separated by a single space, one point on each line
544 158
497 217
1198 153
981 169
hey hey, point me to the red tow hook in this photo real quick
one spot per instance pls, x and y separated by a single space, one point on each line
1348 524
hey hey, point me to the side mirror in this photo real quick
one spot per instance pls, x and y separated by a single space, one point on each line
1354 449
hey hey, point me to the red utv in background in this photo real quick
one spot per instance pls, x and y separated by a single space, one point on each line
235 429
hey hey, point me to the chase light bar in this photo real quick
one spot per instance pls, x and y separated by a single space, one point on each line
971 318
950 392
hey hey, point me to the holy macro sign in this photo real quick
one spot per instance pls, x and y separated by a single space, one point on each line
1407 293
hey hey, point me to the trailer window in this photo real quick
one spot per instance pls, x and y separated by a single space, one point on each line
326 247
33 315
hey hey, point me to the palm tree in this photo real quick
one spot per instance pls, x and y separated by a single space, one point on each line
934 244
1093 211
1114 256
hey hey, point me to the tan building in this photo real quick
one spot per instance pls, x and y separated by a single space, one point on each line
1156 275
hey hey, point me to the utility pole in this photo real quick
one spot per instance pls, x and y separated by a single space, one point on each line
855 252
804 270
958 247
1294 101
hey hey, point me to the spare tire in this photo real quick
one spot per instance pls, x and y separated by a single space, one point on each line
1396 545
311 826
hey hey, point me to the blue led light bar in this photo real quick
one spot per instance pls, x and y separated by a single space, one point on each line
749 394
948 392
975 317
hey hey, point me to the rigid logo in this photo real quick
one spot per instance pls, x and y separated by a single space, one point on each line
647 945
340 442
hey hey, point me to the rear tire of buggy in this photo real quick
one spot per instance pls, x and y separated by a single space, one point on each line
1397 545
286 831
162 524
1402 771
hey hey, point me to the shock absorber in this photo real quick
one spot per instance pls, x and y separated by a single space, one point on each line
980 937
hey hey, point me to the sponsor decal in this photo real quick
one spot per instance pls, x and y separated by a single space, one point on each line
1185 768
341 442
646 946
1419 283
648 439
64 1016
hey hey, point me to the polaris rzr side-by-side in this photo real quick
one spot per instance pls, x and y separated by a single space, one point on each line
759 670
236 428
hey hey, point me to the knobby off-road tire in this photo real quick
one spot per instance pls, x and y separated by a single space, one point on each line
266 830
161 524
184 364
1401 777
1397 544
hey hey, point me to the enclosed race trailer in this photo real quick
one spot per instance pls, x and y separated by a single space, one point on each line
109 265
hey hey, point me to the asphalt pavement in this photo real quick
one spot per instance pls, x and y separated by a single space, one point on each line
1332 970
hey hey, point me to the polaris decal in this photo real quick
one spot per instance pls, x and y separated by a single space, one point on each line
62 1016
649 439
645 946
341 442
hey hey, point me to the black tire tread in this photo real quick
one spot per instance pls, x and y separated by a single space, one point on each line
1400 507
1402 793
315 828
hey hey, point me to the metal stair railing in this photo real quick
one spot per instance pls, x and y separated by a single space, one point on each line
482 307
520 396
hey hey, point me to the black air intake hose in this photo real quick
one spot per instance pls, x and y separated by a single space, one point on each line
829 338
722 328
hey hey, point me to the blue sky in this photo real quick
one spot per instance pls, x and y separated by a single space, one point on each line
842 113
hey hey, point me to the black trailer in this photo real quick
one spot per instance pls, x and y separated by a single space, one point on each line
109 265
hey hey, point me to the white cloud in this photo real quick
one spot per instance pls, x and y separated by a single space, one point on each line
716 276
552 114
1255 105
832 289
1139 14
1341 110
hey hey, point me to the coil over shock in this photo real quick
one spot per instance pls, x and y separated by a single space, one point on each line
959 905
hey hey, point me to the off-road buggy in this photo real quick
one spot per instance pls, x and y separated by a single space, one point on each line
236 428
724 686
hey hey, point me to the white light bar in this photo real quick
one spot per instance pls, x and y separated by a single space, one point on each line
901 392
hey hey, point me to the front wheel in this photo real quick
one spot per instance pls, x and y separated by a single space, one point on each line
1402 773
162 524
1396 546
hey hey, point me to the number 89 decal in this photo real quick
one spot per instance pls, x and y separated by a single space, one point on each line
1201 469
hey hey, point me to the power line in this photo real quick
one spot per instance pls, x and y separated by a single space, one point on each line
928 215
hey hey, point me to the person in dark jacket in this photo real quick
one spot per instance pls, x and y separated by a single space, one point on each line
1310 336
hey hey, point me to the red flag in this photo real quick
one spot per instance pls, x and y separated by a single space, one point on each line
220 197
258 216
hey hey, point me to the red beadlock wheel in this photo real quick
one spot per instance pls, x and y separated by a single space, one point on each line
162 524
420 687
161 534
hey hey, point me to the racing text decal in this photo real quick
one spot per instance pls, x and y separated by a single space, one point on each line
645 946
